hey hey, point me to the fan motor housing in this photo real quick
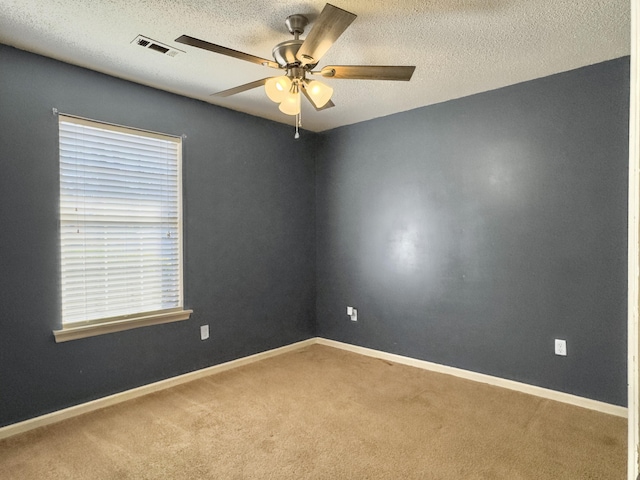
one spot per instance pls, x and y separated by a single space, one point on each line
285 53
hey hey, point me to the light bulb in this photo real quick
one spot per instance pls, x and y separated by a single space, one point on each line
319 93
291 104
277 88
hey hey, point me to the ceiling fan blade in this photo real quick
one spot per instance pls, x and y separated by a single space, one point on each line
368 72
329 104
331 23
194 42
241 88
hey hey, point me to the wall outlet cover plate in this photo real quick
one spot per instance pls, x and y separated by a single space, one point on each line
561 347
204 332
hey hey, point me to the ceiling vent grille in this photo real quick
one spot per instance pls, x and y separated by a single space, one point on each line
151 44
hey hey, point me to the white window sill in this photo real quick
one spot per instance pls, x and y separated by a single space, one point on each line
94 329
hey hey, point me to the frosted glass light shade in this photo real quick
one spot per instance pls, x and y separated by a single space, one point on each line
319 93
291 104
277 88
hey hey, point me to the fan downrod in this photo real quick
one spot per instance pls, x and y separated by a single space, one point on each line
285 52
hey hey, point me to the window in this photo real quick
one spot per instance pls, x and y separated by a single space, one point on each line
120 228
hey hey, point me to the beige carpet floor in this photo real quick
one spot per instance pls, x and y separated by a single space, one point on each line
322 413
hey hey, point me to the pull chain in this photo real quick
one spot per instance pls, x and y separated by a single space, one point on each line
298 124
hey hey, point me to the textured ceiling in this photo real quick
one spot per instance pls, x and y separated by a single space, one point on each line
459 47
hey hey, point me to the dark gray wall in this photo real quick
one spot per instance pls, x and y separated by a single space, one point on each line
470 233
474 232
249 204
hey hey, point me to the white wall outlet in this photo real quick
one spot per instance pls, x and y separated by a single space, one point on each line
354 315
204 332
349 311
561 347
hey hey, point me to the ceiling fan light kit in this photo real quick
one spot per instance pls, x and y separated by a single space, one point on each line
299 57
277 88
319 92
291 102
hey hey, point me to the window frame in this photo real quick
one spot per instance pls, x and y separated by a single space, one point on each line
82 329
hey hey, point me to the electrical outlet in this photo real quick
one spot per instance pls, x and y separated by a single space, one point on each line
561 347
354 315
204 332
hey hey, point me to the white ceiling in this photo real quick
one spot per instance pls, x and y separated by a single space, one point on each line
460 47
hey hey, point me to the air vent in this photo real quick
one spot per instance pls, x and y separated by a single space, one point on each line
147 42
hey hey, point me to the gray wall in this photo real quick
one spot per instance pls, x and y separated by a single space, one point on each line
249 204
474 232
470 233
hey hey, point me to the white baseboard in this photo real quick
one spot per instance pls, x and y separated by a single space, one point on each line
103 402
482 378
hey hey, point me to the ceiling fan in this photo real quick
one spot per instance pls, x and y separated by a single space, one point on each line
299 57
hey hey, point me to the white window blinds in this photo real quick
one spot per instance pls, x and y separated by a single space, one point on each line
120 222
